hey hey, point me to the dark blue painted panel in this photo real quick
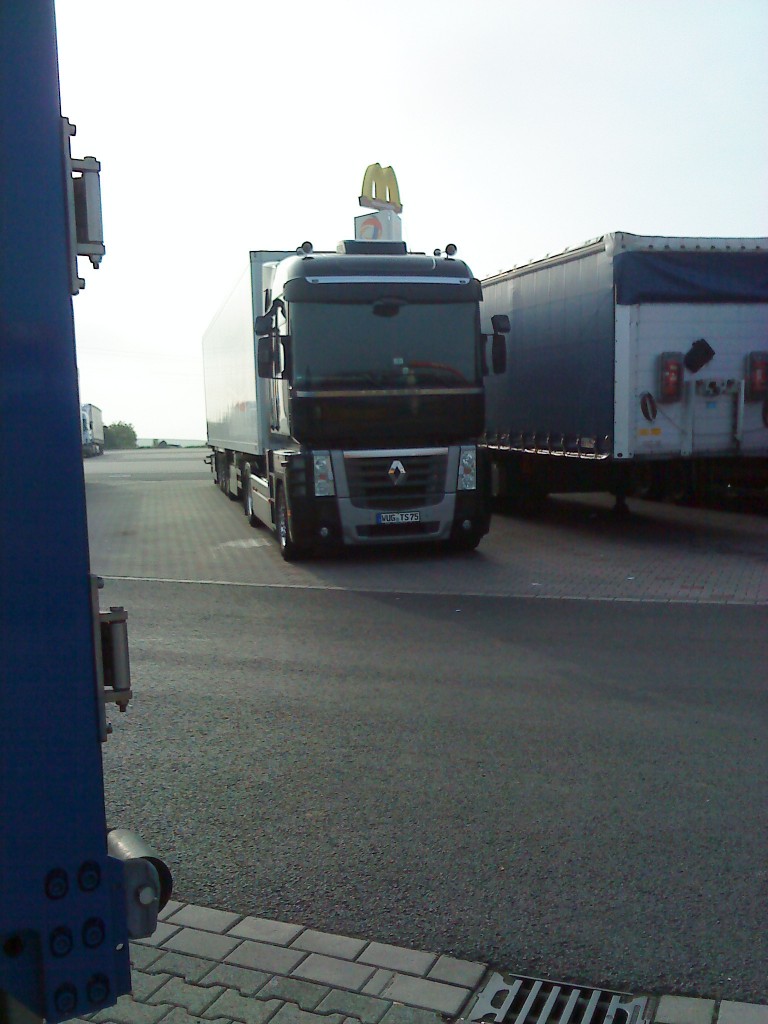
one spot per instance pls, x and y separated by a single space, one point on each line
51 788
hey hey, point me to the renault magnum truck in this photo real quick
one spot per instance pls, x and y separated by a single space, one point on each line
344 391
636 365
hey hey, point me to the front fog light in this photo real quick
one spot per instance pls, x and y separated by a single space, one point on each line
467 478
324 485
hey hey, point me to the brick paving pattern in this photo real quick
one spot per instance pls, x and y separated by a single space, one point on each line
578 550
323 979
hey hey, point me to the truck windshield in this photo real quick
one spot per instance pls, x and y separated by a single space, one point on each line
384 344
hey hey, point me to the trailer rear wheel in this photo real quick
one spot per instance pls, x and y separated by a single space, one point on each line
290 551
678 484
646 482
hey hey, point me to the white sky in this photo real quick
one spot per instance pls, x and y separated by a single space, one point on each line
515 128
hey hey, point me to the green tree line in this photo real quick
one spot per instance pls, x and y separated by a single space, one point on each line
119 435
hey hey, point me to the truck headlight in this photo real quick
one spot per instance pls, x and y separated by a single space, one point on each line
324 483
467 478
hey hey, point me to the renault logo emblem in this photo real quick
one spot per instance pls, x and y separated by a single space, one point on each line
397 472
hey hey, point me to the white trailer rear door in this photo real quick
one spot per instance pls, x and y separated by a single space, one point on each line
711 416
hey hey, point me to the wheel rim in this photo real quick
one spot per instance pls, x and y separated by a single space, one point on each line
282 523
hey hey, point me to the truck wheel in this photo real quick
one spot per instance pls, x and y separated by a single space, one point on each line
248 499
291 552
226 467
464 541
221 473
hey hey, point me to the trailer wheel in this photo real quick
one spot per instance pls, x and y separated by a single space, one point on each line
678 484
290 551
646 482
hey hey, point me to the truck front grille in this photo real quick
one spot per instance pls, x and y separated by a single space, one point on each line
398 482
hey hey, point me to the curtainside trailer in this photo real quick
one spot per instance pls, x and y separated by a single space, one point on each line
637 365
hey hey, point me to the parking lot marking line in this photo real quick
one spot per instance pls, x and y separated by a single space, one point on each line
413 592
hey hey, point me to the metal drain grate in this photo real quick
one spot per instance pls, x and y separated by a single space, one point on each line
520 1000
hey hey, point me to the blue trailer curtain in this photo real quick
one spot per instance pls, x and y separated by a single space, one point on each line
690 277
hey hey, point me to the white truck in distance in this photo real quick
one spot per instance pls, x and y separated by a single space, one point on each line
344 395
91 430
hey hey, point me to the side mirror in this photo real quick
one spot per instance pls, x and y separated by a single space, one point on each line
287 357
263 324
264 361
499 353
500 323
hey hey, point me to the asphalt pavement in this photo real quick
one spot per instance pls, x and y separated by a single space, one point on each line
471 755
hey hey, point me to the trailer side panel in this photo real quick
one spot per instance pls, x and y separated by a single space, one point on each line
560 371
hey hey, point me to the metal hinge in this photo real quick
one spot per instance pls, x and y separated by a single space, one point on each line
113 669
86 232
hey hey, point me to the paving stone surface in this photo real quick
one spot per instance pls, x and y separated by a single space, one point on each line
204 966
190 968
246 981
367 1009
288 1014
204 918
457 972
198 943
399 1014
429 995
397 958
193 998
129 1011
142 957
338 973
160 934
169 909
261 930
260 956
144 985
742 1013
235 1007
330 945
180 1016
377 982
684 1010
305 994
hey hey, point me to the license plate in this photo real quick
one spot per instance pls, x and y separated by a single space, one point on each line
387 518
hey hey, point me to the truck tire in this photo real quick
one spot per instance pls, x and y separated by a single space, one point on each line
646 482
248 498
224 479
464 541
220 476
290 551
